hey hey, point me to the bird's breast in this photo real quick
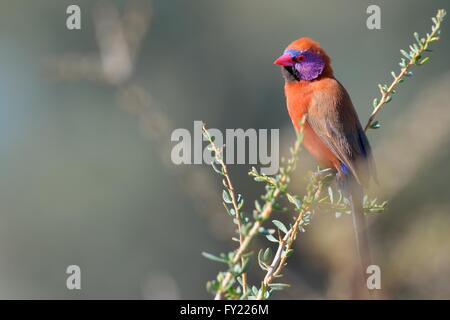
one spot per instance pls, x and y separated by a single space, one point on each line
298 98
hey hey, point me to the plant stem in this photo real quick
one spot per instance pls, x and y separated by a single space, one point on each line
229 185
264 215
267 211
414 59
285 243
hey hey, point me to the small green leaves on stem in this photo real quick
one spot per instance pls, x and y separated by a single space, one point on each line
215 258
233 204
226 285
413 57
294 200
284 251
337 204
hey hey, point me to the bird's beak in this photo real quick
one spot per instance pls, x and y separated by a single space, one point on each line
284 60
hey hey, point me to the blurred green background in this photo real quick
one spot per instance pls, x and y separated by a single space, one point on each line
85 123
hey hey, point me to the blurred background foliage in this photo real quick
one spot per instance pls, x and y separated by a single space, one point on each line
85 123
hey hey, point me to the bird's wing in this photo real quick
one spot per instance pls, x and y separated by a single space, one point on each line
333 118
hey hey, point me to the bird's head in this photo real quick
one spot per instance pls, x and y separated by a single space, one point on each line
304 59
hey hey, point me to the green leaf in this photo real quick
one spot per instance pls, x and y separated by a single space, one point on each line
375 102
253 172
226 197
296 202
240 201
261 263
214 258
416 35
278 286
375 125
272 238
212 286
229 211
280 225
258 206
405 54
266 232
259 179
245 265
267 256
289 252
424 60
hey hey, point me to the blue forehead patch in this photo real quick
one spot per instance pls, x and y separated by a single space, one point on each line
293 52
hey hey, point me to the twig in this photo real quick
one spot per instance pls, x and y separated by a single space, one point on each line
414 58
284 249
231 191
267 211
279 186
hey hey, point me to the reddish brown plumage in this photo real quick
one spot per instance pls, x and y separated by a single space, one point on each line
298 99
332 131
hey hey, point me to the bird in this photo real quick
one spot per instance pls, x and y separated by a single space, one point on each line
332 132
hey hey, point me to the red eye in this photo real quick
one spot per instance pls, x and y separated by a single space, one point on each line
300 58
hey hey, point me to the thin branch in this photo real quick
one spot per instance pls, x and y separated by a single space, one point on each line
415 57
231 191
284 249
280 185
